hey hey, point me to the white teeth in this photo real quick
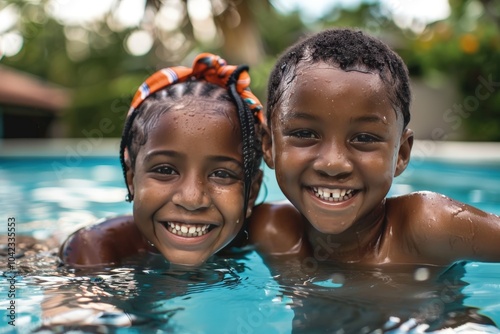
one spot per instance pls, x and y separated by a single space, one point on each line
187 231
333 195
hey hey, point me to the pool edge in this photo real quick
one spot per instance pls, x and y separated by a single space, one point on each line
473 152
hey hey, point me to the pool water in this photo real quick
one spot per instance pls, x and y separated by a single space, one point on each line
49 197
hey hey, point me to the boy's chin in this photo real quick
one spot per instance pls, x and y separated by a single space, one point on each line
329 227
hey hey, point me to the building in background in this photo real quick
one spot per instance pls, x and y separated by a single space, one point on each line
30 107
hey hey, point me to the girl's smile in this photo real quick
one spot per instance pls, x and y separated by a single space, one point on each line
188 181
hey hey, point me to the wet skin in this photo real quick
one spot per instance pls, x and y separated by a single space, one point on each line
189 175
336 144
338 147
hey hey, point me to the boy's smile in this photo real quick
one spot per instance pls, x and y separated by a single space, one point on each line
336 146
188 182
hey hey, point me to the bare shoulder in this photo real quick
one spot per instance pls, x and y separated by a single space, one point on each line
443 229
276 228
106 242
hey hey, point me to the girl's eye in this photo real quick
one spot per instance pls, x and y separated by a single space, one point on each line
225 177
222 174
365 138
165 170
304 134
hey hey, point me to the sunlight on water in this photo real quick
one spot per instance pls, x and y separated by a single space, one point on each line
237 294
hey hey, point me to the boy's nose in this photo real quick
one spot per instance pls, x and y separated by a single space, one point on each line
191 194
333 160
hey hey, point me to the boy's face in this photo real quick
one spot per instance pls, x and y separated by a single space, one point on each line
188 178
336 144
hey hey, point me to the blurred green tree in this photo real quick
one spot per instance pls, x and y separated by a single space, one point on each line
93 57
97 60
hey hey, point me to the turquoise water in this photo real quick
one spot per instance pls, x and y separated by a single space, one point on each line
51 197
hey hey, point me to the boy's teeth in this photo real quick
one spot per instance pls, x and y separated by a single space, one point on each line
333 195
188 231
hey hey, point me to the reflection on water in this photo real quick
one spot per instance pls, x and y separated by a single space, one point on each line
387 299
223 296
240 295
237 294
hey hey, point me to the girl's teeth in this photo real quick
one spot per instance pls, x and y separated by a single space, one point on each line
187 231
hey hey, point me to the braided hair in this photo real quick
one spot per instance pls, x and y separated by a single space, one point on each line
349 50
165 88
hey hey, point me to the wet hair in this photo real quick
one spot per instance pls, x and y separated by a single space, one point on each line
143 119
349 50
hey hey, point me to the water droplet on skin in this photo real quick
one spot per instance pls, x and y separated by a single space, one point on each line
421 274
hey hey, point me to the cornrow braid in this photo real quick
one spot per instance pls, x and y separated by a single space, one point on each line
247 133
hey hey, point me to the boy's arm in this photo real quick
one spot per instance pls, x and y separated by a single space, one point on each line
277 229
104 243
450 230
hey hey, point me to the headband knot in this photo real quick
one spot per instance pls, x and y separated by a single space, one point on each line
206 66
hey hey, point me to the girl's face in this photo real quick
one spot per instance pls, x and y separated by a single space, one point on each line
336 145
188 182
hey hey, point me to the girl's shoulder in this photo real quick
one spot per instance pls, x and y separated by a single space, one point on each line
107 241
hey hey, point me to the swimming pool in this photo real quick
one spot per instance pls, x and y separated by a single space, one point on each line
51 196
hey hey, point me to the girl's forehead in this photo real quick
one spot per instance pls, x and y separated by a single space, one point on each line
203 108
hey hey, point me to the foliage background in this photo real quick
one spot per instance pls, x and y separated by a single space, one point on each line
91 58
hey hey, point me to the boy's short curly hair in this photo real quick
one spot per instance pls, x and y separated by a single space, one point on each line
349 50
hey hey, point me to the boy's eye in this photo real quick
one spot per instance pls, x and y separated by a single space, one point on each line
165 170
303 134
365 138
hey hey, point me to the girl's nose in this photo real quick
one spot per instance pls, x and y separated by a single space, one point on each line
192 194
333 160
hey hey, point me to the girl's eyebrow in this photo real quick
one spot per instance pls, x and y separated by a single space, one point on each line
223 158
173 154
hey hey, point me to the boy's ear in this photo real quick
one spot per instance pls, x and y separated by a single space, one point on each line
404 153
267 146
254 192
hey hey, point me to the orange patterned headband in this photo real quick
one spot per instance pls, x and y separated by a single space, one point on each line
207 66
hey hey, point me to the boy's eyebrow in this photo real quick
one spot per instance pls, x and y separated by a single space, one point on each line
369 118
298 115
151 154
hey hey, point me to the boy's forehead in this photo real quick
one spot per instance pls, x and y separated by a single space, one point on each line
324 86
324 80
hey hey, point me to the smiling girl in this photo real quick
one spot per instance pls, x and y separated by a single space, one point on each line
191 159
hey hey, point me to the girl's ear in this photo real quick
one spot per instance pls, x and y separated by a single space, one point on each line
404 153
254 192
129 176
267 146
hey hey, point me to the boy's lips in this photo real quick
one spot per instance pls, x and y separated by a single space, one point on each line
188 230
333 194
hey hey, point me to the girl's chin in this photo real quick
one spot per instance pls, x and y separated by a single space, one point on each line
185 260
